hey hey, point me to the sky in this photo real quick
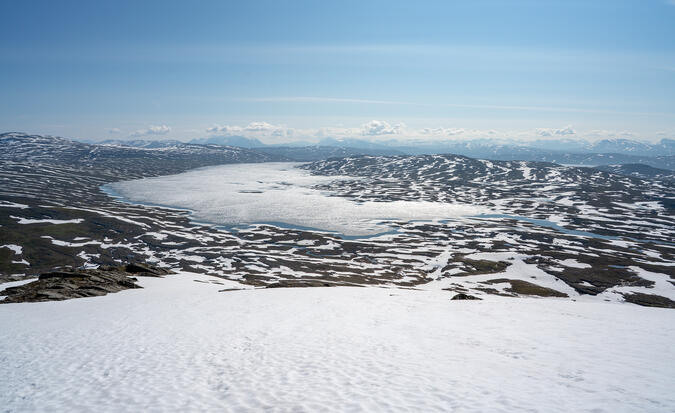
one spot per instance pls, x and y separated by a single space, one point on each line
305 70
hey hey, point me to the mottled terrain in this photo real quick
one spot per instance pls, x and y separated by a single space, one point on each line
555 231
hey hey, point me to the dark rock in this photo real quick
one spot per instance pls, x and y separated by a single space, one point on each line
522 287
475 267
649 300
143 270
303 284
462 296
68 284
62 274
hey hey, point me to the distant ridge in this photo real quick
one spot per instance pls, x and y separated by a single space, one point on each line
239 141
659 155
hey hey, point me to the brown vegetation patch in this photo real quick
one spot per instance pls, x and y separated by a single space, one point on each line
521 287
649 300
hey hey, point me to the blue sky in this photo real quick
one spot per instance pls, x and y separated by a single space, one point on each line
287 70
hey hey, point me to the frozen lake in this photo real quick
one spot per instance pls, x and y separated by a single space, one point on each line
277 193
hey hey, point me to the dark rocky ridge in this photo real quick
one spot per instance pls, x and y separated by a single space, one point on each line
79 283
649 300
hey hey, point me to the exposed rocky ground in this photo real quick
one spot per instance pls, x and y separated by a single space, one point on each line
611 239
72 283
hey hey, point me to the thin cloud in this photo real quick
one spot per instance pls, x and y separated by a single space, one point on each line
152 130
260 128
442 131
546 132
521 108
382 129
314 99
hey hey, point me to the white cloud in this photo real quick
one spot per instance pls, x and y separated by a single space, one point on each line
283 132
608 134
226 130
566 131
333 132
152 130
253 128
158 130
665 134
260 127
442 132
380 127
114 130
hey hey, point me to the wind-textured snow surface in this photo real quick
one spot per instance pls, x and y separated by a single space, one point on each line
280 193
180 345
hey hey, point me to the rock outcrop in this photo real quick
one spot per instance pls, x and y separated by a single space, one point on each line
79 283
462 296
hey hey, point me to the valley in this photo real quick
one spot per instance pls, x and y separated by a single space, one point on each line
517 228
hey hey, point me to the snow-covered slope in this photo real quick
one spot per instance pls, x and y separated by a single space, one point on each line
179 345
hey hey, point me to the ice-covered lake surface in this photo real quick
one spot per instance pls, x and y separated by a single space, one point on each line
278 193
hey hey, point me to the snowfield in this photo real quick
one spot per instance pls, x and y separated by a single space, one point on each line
181 345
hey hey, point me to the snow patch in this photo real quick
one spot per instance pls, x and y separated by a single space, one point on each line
47 221
18 250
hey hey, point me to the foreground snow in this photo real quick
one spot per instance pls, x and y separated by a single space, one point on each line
180 345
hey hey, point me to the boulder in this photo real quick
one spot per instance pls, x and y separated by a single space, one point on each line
462 296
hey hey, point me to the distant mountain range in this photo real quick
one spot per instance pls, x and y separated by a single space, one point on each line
138 143
489 147
239 141
639 171
659 155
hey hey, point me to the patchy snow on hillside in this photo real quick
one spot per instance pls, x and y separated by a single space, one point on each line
181 345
